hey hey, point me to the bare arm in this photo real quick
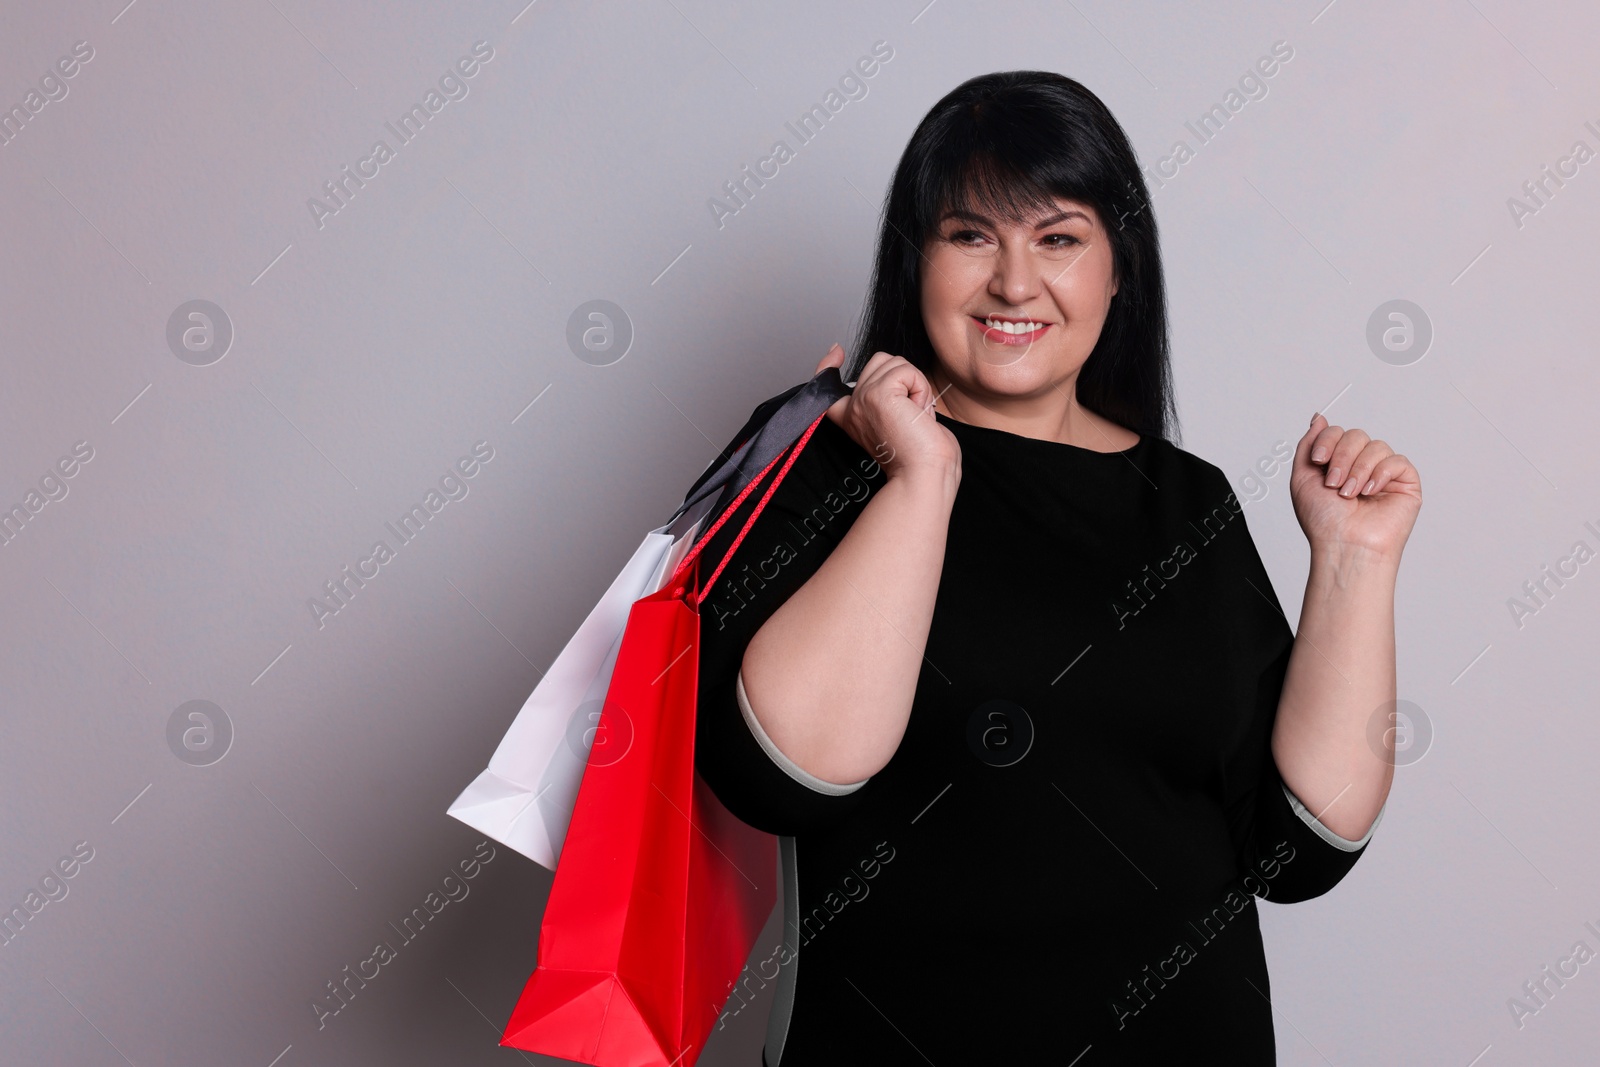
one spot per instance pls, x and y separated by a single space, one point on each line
831 675
1357 500
1341 672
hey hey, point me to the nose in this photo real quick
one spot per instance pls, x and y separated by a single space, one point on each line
1018 275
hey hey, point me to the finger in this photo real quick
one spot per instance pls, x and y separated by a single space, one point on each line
899 378
867 383
834 358
1361 467
1302 448
897 387
873 368
1392 471
1325 443
836 411
1351 442
906 380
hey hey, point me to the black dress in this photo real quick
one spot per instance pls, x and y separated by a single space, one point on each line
1061 859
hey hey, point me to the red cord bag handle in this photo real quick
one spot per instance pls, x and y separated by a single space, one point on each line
694 553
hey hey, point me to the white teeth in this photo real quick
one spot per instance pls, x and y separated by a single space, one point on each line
1013 327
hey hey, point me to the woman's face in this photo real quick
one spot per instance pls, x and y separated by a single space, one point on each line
1015 308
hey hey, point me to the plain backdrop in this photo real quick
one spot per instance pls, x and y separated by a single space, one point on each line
369 348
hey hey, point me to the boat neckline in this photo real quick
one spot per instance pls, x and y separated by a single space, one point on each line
1128 452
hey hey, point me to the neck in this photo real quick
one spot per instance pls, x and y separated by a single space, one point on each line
1055 416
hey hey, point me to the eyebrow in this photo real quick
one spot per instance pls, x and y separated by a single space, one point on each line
984 220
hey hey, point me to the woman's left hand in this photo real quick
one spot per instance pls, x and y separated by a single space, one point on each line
1373 501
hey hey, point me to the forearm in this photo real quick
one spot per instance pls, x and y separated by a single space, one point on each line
831 675
1341 674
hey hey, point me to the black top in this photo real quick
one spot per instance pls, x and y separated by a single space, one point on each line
1064 852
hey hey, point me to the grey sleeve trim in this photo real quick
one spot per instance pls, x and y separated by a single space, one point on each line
788 766
1342 843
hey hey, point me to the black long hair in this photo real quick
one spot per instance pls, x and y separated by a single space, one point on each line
1009 141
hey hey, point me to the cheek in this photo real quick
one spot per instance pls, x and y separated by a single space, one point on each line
1076 301
1084 290
946 289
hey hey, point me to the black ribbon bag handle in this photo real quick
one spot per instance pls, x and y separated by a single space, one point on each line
781 430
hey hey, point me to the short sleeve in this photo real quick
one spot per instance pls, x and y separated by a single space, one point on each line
805 518
1291 855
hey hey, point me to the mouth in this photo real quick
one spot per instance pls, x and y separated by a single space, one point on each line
1005 331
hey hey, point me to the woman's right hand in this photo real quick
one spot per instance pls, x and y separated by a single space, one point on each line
890 415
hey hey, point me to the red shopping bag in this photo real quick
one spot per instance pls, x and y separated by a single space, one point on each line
660 892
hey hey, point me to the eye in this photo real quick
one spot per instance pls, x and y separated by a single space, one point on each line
1060 240
965 236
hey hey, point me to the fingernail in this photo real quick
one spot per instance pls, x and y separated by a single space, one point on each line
1371 485
1349 488
1319 454
1313 421
1333 476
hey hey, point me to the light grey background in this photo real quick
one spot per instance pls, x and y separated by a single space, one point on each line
432 311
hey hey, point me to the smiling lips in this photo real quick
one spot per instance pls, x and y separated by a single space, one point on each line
1011 331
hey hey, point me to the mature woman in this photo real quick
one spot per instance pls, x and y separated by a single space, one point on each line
1000 663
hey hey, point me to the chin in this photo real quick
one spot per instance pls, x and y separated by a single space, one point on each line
1014 369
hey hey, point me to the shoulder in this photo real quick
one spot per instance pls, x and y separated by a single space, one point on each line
763 411
829 452
831 468
1214 512
831 471
1197 498
1197 478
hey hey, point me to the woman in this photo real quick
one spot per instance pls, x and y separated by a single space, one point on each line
1001 665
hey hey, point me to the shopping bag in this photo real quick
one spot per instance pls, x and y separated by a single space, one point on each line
524 798
660 892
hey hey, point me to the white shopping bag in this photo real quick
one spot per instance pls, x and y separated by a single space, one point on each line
524 799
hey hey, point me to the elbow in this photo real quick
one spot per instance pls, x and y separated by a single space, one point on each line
833 772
